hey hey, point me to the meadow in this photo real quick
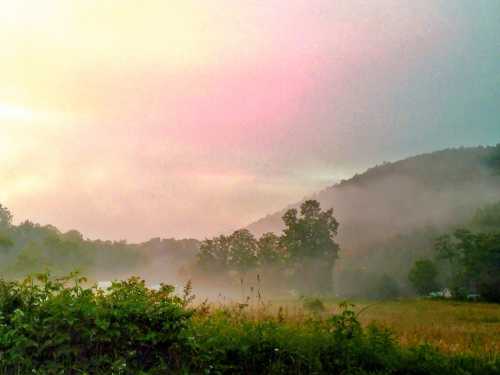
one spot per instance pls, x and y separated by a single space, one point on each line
451 326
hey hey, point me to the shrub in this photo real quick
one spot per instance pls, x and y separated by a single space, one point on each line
52 327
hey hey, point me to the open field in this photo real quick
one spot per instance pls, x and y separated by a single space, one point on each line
451 326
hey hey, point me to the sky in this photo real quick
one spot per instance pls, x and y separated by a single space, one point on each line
132 119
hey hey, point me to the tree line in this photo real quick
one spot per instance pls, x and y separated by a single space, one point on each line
467 260
304 254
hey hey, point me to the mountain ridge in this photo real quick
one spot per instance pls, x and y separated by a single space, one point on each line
439 188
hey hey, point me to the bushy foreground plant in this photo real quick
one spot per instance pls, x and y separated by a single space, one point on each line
57 327
52 327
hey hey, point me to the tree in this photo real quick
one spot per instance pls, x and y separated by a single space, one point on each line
270 253
5 217
5 241
386 288
214 254
243 251
475 262
309 239
422 276
487 218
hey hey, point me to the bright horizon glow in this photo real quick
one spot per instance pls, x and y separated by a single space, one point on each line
12 112
131 119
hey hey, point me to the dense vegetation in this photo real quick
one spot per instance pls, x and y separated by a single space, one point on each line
52 326
467 260
303 256
29 248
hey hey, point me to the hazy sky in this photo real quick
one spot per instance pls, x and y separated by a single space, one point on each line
141 118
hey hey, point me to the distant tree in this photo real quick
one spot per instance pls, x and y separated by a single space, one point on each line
386 288
5 242
493 159
5 217
309 239
243 251
475 262
487 218
423 276
270 252
213 256
32 259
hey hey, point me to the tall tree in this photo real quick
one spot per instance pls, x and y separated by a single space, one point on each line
243 253
5 218
422 276
213 256
270 252
309 239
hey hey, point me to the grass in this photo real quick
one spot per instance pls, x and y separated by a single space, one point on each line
451 326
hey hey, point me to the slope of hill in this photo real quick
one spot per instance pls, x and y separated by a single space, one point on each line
439 189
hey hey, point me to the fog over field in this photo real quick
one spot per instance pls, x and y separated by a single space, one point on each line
250 187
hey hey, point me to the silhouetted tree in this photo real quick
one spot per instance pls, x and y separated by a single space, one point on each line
475 262
270 252
309 239
243 251
423 276
213 256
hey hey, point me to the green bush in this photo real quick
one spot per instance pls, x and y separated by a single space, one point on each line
55 328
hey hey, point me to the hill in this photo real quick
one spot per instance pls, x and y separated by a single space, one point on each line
403 205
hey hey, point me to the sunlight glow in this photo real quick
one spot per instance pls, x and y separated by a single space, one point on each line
13 112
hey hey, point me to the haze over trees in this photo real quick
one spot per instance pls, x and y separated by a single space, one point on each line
304 255
30 248
390 217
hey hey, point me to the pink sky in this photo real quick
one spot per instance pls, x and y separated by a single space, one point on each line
128 119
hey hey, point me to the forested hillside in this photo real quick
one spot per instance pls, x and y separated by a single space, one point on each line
391 214
31 248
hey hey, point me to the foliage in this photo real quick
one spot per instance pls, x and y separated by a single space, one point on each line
30 248
423 276
309 240
487 218
386 288
475 262
270 252
58 326
311 235
243 253
306 248
5 217
493 159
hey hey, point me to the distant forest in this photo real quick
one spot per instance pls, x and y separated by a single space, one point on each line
31 248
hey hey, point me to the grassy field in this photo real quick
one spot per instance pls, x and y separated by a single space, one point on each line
451 326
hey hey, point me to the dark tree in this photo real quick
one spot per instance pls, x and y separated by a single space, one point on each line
270 253
213 256
423 276
309 239
243 251
475 262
